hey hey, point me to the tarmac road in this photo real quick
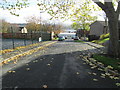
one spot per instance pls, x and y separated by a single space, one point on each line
60 66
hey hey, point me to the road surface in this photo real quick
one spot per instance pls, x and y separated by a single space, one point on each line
58 66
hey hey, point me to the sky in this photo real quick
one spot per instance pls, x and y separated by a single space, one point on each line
33 10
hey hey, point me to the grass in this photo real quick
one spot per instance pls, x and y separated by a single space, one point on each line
115 63
100 41
79 41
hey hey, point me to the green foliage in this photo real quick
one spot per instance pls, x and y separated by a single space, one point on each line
100 41
13 5
108 61
82 15
103 36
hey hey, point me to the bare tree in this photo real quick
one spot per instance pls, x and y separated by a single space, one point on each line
4 26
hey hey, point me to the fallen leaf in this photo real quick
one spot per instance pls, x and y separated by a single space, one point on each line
111 77
94 73
36 60
92 67
100 69
77 73
15 62
9 71
102 76
48 64
13 71
118 84
28 69
116 78
45 86
95 79
89 73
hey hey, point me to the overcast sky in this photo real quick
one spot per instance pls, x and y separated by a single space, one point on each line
30 11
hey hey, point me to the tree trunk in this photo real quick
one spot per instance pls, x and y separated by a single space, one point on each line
113 48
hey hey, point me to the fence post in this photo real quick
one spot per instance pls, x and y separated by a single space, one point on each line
31 37
13 38
24 39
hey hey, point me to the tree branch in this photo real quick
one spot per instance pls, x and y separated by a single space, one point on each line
100 4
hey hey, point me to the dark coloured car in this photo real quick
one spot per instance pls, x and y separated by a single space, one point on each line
76 38
61 38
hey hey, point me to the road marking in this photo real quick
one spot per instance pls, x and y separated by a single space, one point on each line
25 53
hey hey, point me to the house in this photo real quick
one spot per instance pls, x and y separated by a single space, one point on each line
18 27
98 28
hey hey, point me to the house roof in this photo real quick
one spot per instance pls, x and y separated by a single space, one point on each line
20 24
101 22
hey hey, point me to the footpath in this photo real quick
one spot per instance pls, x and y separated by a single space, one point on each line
13 55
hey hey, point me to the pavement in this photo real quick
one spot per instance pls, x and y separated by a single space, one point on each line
60 65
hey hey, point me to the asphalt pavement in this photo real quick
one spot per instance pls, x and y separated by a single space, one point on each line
58 66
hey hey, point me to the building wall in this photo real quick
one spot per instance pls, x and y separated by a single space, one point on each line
96 29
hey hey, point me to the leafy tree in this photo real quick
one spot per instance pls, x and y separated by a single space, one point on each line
13 5
82 15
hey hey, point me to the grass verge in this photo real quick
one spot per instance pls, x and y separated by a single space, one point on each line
115 63
100 41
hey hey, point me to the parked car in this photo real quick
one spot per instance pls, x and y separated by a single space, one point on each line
61 38
65 37
76 38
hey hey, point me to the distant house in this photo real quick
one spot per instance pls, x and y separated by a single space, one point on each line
98 28
80 33
19 27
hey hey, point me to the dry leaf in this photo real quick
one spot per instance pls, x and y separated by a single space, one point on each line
9 71
95 79
118 84
13 71
45 86
94 73
102 76
28 69
77 73
89 73
48 64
